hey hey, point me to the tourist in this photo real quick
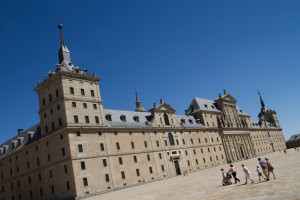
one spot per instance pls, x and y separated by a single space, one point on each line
259 172
270 168
233 172
247 174
264 168
226 178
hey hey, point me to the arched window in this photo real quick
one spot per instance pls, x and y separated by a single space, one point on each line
166 119
171 139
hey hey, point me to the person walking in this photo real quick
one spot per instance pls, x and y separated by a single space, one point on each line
247 174
259 173
270 168
264 168
233 172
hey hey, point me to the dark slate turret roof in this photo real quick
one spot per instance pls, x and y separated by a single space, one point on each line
293 137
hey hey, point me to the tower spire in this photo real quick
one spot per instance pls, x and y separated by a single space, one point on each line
64 53
138 104
263 107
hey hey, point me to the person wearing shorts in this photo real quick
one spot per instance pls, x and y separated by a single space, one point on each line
264 166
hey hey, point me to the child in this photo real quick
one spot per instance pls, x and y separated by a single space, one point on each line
247 174
259 172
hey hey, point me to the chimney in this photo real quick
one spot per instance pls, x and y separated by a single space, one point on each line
20 131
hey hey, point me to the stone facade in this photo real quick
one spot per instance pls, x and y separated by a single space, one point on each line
79 148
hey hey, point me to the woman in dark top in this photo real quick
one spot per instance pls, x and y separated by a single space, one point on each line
270 168
232 171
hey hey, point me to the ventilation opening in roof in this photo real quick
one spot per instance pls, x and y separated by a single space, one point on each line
123 118
205 105
136 118
108 117
183 121
191 121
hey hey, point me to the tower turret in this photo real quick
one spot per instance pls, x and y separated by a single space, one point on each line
138 104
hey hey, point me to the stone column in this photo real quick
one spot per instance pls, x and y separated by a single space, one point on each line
246 146
230 150
225 148
251 145
237 146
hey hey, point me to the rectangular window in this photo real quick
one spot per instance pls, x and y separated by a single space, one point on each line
106 177
188 163
123 174
159 154
41 192
104 163
38 161
78 133
56 93
71 90
59 122
192 141
46 129
50 173
50 97
115 132
84 105
68 185
92 93
52 189
74 104
29 180
137 172
40 177
145 143
82 164
80 149
53 126
150 170
101 146
97 120
166 143
183 142
76 119
199 140
87 120
49 158
132 145
63 151
120 161
162 168
95 106
85 182
194 151
58 107
157 143
177 142
44 102
99 133
135 159
65 169
118 145
197 161
186 153
148 157
82 92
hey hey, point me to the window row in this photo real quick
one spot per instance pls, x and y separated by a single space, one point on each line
82 92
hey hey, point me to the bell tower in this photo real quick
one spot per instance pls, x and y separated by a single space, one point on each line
69 96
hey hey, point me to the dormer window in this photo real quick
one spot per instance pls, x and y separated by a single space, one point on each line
183 121
205 105
241 110
191 121
108 117
123 118
198 121
213 107
136 118
13 145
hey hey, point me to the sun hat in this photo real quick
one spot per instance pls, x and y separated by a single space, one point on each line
266 158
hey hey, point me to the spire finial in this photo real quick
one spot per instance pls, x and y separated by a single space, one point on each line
138 103
263 107
224 91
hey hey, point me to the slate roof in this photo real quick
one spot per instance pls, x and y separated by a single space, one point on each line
256 125
296 136
190 121
27 137
209 105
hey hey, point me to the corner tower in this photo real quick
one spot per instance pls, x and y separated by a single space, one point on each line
69 97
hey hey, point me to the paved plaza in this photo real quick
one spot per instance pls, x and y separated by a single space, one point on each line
206 184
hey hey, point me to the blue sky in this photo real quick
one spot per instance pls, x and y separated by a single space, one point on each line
175 50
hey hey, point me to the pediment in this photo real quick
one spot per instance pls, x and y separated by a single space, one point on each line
165 107
227 97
